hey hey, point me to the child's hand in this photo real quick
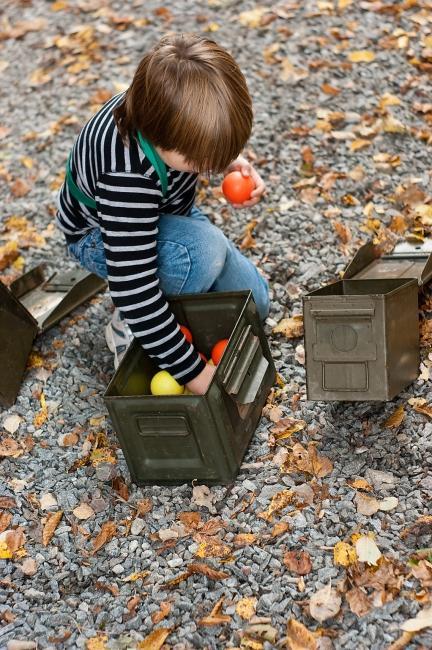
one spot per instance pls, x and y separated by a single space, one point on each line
201 382
242 165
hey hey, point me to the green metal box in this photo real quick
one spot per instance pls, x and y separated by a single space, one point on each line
362 333
174 439
31 305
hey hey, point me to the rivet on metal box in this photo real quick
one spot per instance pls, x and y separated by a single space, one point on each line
31 305
173 439
362 332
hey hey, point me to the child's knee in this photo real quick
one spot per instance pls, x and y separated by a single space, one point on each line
208 256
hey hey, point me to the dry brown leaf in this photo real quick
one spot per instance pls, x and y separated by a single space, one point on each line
68 440
396 419
343 231
213 548
107 532
5 520
298 562
133 577
97 642
144 506
164 610
83 511
328 89
324 603
279 501
52 521
215 618
244 539
206 570
19 188
299 637
10 448
121 488
360 484
7 502
357 145
308 460
280 528
421 526
422 620
155 640
366 505
291 328
358 601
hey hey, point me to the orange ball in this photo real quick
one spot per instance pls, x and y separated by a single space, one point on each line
218 350
186 333
237 188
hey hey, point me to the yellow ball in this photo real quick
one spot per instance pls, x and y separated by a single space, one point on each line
164 384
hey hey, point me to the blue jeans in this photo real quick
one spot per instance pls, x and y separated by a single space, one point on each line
194 256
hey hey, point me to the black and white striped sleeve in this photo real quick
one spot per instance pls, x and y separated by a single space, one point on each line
128 208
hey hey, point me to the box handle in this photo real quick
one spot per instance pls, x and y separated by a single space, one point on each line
246 368
347 311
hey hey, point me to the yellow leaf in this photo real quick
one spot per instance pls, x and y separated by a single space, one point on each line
343 4
103 455
19 263
155 640
391 125
59 5
389 100
253 17
395 420
361 56
356 145
133 577
344 554
97 643
291 328
212 27
246 607
5 552
27 162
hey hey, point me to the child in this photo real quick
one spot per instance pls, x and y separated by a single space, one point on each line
127 204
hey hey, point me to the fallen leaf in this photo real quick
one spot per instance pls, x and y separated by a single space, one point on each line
299 637
366 505
213 548
10 448
367 550
244 539
8 254
97 642
144 506
280 528
253 17
422 620
121 488
360 484
7 502
107 532
358 601
29 567
12 423
344 554
421 526
68 440
361 56
19 188
164 611
47 500
402 642
202 496
298 562
308 460
53 520
395 420
206 570
133 577
83 511
279 501
357 145
291 328
246 607
215 618
388 503
5 552
324 603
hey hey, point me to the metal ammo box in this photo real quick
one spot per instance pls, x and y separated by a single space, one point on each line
362 332
31 305
173 439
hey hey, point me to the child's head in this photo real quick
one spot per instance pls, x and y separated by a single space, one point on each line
189 96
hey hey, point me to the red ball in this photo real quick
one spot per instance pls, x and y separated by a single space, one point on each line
186 333
237 188
218 350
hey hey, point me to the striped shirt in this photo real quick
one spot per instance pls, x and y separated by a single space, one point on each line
129 200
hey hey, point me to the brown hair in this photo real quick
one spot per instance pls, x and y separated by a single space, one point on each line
189 95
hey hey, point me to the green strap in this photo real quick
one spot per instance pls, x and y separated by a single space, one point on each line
156 161
75 190
148 151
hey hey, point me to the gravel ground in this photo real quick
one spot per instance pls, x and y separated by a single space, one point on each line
314 104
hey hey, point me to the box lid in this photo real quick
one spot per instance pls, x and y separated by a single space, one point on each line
405 261
31 305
